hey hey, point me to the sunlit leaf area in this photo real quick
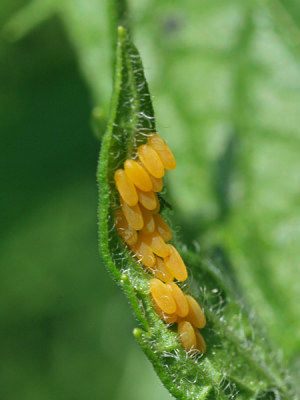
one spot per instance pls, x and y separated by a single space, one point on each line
224 77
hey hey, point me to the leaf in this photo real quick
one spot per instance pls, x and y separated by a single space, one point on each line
209 50
238 363
236 65
87 27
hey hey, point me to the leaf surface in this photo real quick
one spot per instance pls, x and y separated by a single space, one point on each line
238 362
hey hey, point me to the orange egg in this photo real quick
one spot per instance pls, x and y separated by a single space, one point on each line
149 224
125 187
138 175
157 183
201 345
133 215
156 243
195 315
163 151
143 253
182 307
147 199
162 296
168 318
175 264
160 271
187 336
157 208
162 227
128 234
151 161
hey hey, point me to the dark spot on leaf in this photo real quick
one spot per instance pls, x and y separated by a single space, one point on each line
172 24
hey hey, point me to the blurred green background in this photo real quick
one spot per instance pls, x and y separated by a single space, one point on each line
225 76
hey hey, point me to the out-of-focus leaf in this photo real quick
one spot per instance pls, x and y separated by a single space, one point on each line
61 316
87 26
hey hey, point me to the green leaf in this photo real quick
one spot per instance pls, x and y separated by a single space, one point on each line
238 363
233 77
230 106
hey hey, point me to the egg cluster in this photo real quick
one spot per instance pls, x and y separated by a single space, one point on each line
145 231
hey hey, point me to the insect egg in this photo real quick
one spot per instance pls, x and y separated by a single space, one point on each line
156 243
201 345
143 253
157 183
163 151
133 215
182 307
160 271
138 175
149 224
147 199
195 315
187 336
162 295
128 234
151 161
168 318
162 227
157 208
125 187
175 264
